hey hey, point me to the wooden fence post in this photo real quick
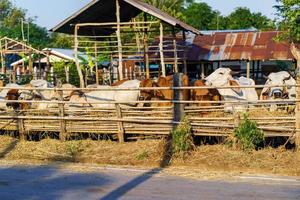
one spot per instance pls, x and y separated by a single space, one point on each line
63 129
21 129
121 130
178 96
297 113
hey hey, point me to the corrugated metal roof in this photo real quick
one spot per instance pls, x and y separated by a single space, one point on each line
99 11
250 45
229 46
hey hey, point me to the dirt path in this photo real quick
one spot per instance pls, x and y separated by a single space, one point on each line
78 181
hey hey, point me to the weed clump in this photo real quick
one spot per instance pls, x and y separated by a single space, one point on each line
182 140
248 135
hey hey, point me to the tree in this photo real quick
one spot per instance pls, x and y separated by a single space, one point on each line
243 18
289 11
200 16
10 25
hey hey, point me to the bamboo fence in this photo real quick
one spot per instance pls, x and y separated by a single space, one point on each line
134 122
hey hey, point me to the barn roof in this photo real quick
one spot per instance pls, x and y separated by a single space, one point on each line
250 45
101 11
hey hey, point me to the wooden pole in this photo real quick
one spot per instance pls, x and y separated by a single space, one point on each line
175 51
76 57
161 50
185 70
121 130
96 65
30 64
297 113
61 107
178 96
202 71
248 69
48 67
118 32
2 59
21 129
146 53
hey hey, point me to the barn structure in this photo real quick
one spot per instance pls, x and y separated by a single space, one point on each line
12 50
122 31
254 53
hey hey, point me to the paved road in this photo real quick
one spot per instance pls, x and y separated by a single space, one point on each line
45 182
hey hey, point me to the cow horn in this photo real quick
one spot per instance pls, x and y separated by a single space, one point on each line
265 77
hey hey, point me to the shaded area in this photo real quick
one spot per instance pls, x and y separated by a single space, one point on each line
8 149
43 183
134 183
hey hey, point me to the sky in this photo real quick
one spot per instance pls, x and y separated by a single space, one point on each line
51 12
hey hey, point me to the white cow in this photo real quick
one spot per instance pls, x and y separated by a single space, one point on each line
283 92
223 77
39 95
88 99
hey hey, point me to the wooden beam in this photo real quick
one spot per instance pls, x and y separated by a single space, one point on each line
161 50
175 51
185 70
96 65
118 33
248 69
202 71
76 57
146 53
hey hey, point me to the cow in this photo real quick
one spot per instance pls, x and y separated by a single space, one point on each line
223 77
204 94
283 90
91 98
39 95
163 95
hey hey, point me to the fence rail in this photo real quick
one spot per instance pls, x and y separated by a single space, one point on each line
125 121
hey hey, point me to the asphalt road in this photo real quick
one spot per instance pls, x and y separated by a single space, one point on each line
50 182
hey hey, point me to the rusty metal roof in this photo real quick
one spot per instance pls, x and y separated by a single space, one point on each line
222 46
100 11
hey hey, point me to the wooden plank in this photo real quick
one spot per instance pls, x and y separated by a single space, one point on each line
121 130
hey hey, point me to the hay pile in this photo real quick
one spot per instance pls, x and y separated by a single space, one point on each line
149 153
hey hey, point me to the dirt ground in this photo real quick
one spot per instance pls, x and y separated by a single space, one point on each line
214 160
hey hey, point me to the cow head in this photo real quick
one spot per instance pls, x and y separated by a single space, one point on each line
279 92
13 95
146 94
219 78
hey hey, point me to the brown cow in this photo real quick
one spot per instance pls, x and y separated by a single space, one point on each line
13 95
204 94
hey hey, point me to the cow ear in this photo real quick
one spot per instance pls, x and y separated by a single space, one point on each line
235 83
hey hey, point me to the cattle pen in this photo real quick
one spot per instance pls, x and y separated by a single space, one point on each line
125 123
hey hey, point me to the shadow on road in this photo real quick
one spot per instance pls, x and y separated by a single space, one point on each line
125 188
43 183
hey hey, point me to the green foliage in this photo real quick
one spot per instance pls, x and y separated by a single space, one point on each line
182 140
248 135
243 18
289 11
59 70
142 155
73 147
200 16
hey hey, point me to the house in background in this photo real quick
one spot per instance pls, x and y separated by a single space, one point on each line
253 53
